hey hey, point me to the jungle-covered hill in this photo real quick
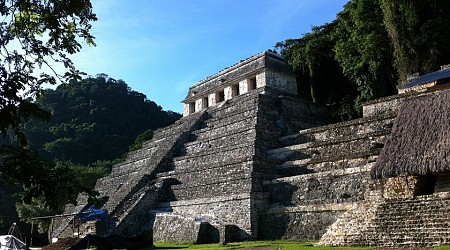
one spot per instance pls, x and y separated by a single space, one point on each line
95 119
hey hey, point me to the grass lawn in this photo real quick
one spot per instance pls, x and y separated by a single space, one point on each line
266 245
256 245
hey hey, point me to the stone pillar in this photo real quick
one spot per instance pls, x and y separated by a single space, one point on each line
243 87
212 99
261 80
186 109
198 105
228 91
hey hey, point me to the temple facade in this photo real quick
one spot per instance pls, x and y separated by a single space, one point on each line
266 69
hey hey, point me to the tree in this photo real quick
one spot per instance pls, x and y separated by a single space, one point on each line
140 139
363 50
419 33
86 176
320 76
36 34
346 62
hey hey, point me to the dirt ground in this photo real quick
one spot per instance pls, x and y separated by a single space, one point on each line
61 244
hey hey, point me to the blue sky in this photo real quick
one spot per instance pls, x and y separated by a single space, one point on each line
161 47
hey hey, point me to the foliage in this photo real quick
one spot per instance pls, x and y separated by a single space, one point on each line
419 33
373 44
313 59
8 200
62 183
34 36
363 50
95 119
84 176
140 139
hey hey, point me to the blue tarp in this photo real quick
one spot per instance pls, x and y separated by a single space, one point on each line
94 214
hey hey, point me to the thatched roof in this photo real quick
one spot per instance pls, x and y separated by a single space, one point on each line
420 140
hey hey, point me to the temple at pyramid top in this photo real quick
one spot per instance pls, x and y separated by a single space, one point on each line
266 69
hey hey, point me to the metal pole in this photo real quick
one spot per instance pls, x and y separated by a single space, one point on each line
31 235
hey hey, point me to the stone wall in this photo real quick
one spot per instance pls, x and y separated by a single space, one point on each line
382 106
442 183
420 221
304 226
218 212
274 79
320 173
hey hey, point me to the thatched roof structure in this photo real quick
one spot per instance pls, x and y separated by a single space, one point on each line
420 140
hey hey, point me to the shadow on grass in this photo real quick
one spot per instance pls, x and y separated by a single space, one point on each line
180 247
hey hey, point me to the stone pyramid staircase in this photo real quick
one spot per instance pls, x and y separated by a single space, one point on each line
321 172
199 169
211 174
130 181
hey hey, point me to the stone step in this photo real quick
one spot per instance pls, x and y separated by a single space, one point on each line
114 183
178 127
186 164
231 139
330 173
121 189
337 149
415 229
204 168
209 174
152 143
309 165
147 192
415 220
221 131
214 157
362 126
129 167
210 190
235 105
235 116
336 186
135 174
